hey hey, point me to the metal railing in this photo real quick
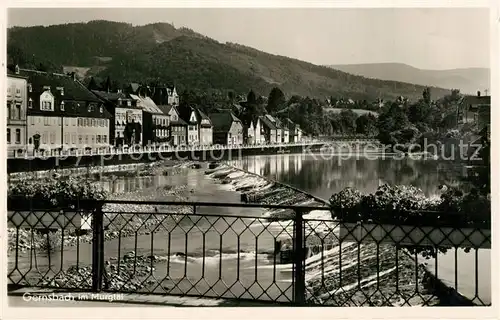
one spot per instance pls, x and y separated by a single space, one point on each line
241 251
110 150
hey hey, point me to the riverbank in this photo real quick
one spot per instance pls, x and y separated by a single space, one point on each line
332 274
171 190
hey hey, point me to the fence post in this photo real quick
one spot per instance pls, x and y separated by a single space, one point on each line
300 285
97 247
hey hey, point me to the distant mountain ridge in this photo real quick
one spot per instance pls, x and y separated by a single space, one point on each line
468 80
160 52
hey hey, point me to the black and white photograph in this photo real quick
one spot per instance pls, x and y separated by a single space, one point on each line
248 157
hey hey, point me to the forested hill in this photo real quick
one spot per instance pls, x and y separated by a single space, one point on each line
160 52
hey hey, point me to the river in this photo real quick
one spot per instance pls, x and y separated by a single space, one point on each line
242 263
322 176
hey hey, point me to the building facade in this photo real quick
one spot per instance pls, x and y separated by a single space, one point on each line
205 128
17 102
155 121
62 113
259 138
294 131
227 128
126 127
164 95
248 132
188 114
470 105
177 127
268 130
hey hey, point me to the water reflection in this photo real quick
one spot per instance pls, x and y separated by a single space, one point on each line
322 177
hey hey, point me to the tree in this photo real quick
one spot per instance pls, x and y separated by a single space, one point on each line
348 121
427 96
107 85
420 112
276 100
391 119
366 124
93 84
251 97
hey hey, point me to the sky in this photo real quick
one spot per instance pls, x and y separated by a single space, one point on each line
430 38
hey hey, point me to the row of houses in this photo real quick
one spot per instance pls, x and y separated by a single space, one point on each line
51 110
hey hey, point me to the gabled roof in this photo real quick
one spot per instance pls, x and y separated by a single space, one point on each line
289 124
473 100
114 97
134 86
202 116
78 100
266 122
147 104
279 124
166 109
255 121
222 121
185 113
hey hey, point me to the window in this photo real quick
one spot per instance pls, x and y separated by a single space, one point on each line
52 137
46 121
59 121
44 138
98 138
9 116
30 87
73 121
174 117
66 122
30 103
79 122
66 138
32 120
18 92
8 135
129 103
100 109
73 138
62 105
80 139
46 106
18 111
93 122
86 139
104 138
93 139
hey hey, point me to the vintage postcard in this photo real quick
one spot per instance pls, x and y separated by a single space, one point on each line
249 157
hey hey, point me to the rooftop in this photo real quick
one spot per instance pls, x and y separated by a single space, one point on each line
147 104
222 121
78 100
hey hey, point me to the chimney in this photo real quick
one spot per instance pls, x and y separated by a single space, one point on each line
478 93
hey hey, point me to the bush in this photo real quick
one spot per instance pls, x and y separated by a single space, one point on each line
409 205
54 193
403 205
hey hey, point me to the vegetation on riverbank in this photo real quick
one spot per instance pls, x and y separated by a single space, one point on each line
83 193
409 205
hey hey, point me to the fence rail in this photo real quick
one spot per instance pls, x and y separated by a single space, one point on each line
23 152
234 250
